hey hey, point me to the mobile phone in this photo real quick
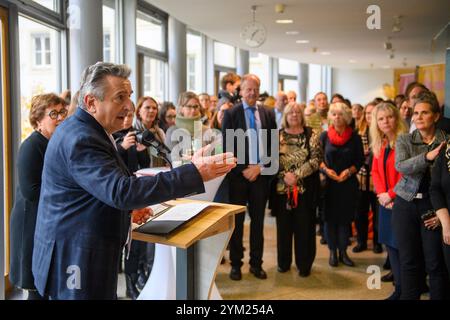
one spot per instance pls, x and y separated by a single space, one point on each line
428 215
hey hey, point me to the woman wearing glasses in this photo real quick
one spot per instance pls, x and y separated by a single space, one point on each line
188 134
418 234
297 185
168 114
47 112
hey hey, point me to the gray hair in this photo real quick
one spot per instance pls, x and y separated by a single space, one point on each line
92 79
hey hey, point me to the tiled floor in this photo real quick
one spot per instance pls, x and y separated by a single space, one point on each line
324 282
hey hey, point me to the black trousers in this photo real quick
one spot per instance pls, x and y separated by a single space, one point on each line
367 200
254 195
394 260
337 235
446 249
297 224
416 243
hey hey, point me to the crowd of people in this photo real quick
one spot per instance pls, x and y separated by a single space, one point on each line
337 162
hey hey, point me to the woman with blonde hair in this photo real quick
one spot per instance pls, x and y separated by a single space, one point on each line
385 127
343 157
367 198
297 185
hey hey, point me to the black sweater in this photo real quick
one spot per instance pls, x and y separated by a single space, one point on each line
440 182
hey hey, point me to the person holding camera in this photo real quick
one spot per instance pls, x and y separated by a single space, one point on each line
147 119
440 196
416 228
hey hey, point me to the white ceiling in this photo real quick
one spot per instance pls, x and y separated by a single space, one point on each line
336 26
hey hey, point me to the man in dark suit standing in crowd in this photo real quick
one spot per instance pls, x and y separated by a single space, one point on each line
87 192
247 185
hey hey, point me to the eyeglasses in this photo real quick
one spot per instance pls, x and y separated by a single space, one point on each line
54 114
171 117
195 107
294 112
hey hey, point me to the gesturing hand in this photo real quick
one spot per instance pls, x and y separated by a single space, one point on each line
211 167
434 153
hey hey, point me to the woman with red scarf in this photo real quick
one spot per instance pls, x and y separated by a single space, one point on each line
343 157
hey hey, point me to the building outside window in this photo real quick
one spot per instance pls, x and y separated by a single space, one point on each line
109 31
194 62
42 50
259 65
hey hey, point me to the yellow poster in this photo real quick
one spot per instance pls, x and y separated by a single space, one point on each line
433 77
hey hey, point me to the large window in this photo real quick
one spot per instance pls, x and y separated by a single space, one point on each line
314 80
154 75
49 4
42 54
194 62
150 32
224 55
109 31
259 65
39 65
288 75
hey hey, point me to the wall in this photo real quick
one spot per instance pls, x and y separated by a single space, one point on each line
361 85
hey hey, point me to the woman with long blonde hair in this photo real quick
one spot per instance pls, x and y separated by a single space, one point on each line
385 127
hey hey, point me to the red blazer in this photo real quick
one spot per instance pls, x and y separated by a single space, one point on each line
393 176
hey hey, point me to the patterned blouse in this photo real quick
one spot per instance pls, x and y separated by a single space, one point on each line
364 174
295 156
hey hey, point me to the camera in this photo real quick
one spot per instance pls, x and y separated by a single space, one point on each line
140 139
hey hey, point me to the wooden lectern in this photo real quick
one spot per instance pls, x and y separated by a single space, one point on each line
200 245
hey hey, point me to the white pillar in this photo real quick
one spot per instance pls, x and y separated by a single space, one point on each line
86 37
273 71
243 61
177 59
209 65
129 39
303 79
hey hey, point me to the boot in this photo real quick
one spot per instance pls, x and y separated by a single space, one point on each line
344 258
132 292
333 261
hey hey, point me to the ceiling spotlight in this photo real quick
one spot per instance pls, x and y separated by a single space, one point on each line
314 49
302 41
386 67
285 21
391 56
388 45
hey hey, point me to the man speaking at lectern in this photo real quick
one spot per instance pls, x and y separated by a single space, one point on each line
87 192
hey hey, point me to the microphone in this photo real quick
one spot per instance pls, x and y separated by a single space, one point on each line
148 139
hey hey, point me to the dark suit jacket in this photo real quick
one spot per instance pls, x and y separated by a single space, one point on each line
86 191
234 118
30 162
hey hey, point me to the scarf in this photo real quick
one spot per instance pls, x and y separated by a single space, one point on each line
339 140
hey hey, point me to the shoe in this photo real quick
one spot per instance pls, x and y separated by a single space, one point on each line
235 274
283 270
394 296
377 248
131 291
344 258
304 274
323 241
258 273
359 248
333 261
389 277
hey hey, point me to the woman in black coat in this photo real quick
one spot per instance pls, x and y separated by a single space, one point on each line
343 157
47 112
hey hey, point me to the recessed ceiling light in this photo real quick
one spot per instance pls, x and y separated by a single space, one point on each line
352 61
386 67
325 53
302 41
285 21
292 33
